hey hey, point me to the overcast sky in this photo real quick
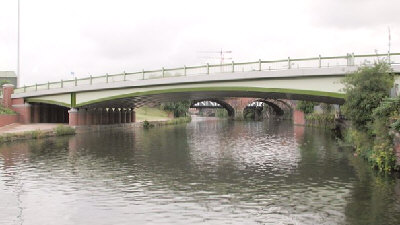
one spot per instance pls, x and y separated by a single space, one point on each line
100 36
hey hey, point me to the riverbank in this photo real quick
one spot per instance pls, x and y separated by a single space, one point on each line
14 132
17 131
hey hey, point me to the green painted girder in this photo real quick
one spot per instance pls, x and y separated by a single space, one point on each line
214 89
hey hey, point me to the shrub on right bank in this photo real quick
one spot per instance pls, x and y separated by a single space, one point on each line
366 89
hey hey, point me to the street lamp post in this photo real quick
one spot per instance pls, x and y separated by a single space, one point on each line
18 48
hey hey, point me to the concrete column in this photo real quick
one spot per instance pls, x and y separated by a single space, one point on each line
73 117
82 117
105 116
45 113
53 114
8 89
89 117
93 116
133 114
96 117
122 112
110 116
123 115
129 116
65 116
119 119
36 113
61 114
100 116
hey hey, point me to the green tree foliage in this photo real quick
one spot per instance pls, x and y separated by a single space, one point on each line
179 109
365 89
221 113
326 108
305 106
370 111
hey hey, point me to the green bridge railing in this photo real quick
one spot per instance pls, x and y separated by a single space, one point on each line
260 65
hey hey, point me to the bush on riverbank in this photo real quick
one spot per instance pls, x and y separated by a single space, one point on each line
6 111
324 120
36 134
147 125
62 130
179 120
365 91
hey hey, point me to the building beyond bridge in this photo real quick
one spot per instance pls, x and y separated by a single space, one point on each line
8 77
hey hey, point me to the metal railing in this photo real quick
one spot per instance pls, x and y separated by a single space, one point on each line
260 65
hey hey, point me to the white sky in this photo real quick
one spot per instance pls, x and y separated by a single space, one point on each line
100 36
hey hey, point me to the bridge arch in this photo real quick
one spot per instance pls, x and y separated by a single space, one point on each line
223 104
279 107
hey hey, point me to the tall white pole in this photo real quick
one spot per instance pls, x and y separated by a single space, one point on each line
390 38
18 48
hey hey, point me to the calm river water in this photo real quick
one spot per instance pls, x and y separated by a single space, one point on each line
205 172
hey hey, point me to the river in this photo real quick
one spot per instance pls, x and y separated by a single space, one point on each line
206 172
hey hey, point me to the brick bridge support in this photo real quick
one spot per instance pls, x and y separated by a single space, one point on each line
239 104
22 109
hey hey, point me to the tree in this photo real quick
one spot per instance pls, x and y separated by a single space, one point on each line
305 106
365 89
179 109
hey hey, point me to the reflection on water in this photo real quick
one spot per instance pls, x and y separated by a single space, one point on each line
208 171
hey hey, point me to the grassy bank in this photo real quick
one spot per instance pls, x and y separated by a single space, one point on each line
150 114
60 130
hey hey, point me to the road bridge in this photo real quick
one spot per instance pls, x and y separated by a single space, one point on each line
113 98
